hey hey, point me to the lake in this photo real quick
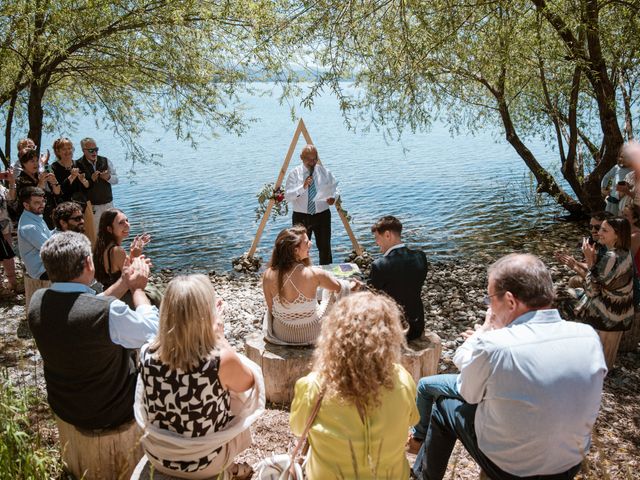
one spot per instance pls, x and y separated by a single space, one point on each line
454 194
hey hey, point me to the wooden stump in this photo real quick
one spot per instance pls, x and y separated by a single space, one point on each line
422 357
631 337
283 365
108 455
30 287
610 342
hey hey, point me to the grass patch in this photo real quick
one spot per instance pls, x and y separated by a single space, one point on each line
23 454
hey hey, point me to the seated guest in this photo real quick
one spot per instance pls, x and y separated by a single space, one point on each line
606 303
84 339
188 379
368 397
108 254
33 174
400 273
72 181
290 286
68 217
581 268
529 387
33 232
8 195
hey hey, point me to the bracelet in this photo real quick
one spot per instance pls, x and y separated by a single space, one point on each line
55 184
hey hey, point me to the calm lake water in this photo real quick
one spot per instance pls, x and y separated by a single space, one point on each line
453 194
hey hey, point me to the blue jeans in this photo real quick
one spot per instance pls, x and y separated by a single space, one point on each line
453 419
431 389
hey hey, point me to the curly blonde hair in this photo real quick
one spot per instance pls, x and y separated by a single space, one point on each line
361 339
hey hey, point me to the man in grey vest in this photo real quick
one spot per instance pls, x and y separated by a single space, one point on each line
101 174
84 338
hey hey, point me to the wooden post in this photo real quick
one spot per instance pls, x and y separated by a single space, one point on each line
301 128
347 227
283 171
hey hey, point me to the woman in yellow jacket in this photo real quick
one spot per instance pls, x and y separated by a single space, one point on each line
369 400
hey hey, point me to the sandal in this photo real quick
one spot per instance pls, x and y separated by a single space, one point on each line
240 471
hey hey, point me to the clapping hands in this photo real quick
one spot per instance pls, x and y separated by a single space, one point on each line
589 252
138 244
135 272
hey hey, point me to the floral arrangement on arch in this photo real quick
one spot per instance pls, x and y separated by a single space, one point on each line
280 205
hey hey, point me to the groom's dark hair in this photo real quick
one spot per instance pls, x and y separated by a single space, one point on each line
386 223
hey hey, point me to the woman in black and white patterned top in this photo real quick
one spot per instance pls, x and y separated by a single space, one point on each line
187 373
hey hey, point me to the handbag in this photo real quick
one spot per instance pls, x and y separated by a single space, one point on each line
284 466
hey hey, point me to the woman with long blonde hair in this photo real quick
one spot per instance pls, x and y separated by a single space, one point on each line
369 398
188 376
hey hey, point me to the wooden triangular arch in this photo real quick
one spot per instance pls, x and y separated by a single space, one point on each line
300 129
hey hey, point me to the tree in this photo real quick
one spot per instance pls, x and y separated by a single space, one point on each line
123 60
564 71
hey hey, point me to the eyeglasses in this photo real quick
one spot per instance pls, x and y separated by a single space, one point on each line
595 228
77 218
487 298
93 150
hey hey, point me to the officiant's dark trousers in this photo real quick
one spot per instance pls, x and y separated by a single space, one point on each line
320 226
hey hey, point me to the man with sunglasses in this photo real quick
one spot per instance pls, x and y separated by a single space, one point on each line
68 217
529 387
101 174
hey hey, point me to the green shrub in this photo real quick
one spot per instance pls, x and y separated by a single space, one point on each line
22 454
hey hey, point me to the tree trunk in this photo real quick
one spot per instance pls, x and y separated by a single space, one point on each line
36 112
7 131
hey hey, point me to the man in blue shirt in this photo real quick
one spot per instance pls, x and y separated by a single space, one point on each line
32 233
529 387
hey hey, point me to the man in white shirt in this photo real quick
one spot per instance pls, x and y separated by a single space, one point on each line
529 387
310 190
611 185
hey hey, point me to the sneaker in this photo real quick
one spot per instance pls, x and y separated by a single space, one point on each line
23 331
17 288
413 445
240 471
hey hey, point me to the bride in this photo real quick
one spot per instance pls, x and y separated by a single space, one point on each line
290 287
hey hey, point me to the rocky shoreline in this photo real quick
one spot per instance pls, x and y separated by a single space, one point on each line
453 303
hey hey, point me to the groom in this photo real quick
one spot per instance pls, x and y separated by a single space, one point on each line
400 273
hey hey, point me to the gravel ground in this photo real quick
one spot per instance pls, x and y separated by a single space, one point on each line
453 302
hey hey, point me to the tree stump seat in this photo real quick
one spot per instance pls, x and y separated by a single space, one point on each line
145 471
282 365
30 287
610 343
104 455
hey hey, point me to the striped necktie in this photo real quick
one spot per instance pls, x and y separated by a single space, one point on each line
311 204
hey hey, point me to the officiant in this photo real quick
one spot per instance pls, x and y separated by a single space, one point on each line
310 190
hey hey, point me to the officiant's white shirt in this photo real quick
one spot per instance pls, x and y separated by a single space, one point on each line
297 195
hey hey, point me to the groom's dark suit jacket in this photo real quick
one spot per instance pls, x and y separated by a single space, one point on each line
401 275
